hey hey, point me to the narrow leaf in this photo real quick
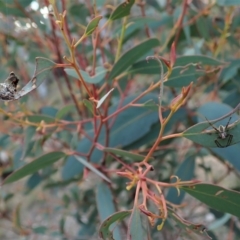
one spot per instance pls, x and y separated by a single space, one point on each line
219 198
92 168
34 166
135 226
132 55
126 154
99 75
38 118
201 59
145 67
65 111
122 10
92 25
152 67
89 105
106 207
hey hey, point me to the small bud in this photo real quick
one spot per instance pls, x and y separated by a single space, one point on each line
180 100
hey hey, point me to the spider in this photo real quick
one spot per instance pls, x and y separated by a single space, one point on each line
222 134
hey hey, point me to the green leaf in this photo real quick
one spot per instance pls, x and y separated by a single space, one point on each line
89 105
146 67
29 133
194 59
155 4
10 8
203 25
181 78
188 226
49 111
152 134
4 140
106 207
99 75
185 172
92 168
65 111
198 133
122 10
152 67
125 154
104 231
219 198
33 181
34 166
207 138
228 2
230 71
40 230
24 3
132 56
38 118
92 25
135 226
